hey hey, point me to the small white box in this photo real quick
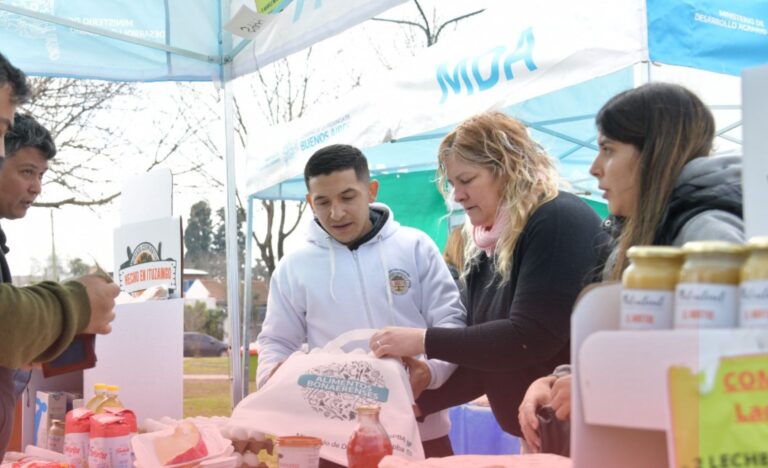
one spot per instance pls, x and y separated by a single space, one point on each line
48 406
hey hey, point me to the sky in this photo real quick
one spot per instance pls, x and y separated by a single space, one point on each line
362 52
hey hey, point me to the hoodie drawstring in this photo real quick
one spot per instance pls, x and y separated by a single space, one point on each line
390 301
333 266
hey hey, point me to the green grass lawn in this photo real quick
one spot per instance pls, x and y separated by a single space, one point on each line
207 398
215 365
210 397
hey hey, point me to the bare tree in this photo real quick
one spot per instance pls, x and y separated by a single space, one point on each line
101 125
422 31
282 93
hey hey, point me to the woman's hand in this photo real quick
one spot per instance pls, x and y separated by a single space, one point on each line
418 374
398 342
539 394
561 398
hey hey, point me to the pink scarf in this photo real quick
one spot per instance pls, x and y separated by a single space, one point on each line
485 239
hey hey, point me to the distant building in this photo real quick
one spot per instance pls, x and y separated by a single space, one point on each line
210 291
190 275
214 293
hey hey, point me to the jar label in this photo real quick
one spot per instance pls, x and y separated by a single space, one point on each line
705 305
753 304
298 457
646 309
110 452
76 448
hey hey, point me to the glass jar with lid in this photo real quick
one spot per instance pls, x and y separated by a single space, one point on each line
56 436
369 442
707 291
649 285
753 292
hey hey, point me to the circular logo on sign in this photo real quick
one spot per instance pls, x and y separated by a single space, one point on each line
399 281
144 253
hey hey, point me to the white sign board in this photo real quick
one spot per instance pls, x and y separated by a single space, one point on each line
147 196
143 355
144 352
149 254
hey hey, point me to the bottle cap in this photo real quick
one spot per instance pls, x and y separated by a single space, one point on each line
720 247
368 409
654 251
758 243
299 441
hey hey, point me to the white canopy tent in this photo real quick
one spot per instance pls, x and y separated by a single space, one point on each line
170 40
551 64
541 50
537 62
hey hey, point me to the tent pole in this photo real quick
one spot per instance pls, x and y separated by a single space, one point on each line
233 273
248 297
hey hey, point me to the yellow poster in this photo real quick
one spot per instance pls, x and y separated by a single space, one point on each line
723 426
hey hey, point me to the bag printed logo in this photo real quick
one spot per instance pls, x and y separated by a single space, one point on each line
337 390
399 281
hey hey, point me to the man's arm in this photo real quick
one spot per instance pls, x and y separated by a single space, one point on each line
40 321
284 326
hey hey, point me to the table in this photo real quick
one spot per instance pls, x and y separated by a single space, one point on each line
474 430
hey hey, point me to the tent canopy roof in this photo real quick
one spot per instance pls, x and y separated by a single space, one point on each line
553 72
168 40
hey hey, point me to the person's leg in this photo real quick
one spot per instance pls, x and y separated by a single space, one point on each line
438 448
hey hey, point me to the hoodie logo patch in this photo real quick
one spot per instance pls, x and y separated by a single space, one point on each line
399 281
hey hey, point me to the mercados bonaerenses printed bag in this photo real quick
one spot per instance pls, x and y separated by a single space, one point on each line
317 394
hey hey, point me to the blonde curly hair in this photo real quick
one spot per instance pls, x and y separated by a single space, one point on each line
501 144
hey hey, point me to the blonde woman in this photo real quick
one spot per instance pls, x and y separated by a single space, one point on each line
533 249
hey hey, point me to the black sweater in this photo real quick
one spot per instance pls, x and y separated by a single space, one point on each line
519 331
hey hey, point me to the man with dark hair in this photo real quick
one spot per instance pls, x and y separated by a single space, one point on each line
38 322
358 269
13 92
28 148
337 158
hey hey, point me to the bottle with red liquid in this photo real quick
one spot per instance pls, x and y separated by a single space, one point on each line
369 442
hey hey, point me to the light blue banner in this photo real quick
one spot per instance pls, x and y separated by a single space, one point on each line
41 48
723 36
563 122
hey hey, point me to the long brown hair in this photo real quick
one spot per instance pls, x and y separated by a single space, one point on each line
501 144
669 126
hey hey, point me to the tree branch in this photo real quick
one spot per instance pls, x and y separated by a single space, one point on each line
73 201
456 20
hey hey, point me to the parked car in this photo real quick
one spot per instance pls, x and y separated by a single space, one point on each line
201 345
